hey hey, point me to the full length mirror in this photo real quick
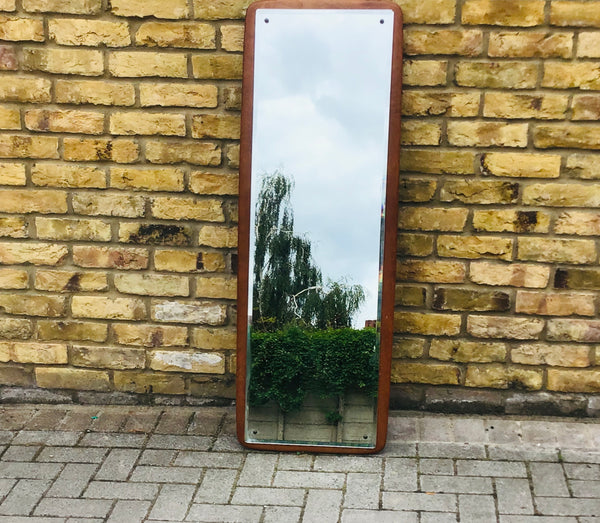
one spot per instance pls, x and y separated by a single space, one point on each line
318 194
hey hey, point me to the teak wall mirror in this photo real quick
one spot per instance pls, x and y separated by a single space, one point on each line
319 161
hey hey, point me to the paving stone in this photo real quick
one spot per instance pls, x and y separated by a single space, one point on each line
41 437
72 455
419 501
157 457
399 450
20 453
159 441
327 463
454 450
216 486
148 474
45 419
456 485
24 496
226 443
25 470
580 456
585 489
538 519
400 474
118 464
40 519
568 506
173 502
120 490
224 513
127 511
80 418
469 430
437 517
322 505
6 436
520 453
548 479
268 496
108 420
576 435
174 421
72 481
378 516
541 432
503 431
14 418
402 429
73 507
436 466
511 469
226 460
582 471
206 422
514 496
108 439
142 421
5 486
286 478
295 461
362 490
258 470
280 514
476 508
436 429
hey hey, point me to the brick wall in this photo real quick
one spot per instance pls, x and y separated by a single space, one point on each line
118 177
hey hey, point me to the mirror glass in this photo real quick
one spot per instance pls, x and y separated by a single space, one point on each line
318 172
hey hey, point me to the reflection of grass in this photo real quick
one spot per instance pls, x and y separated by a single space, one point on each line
290 363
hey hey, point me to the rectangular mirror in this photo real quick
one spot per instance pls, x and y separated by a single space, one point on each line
317 233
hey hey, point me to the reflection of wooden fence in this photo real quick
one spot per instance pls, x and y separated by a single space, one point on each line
309 424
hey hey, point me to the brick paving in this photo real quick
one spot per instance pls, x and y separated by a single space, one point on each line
75 464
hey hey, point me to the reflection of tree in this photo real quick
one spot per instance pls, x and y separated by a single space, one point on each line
288 286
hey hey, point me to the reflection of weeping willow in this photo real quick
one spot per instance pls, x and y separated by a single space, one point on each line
288 287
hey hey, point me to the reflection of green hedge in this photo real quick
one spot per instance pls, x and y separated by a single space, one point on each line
290 363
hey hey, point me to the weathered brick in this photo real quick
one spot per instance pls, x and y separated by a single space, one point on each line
94 92
108 357
155 234
27 201
574 330
220 9
233 156
432 219
512 75
71 330
565 380
487 134
32 253
431 373
453 299
531 44
411 348
529 302
192 35
203 312
198 153
13 279
584 166
427 323
13 227
557 250
424 72
160 179
232 37
443 42
178 95
504 327
576 136
72 229
64 175
173 9
180 361
521 165
152 284
232 96
175 208
414 244
100 149
218 236
562 195
78 31
109 204
65 378
511 221
64 121
64 61
12 173
479 191
462 351
498 376
519 13
216 126
416 190
586 107
21 146
588 45
216 287
69 281
432 103
142 122
415 132
16 375
21 29
32 352
8 58
8 5
108 308
188 261
214 339
532 106
15 328
434 271
566 75
217 67
146 63
409 296
574 13
214 183
575 278
20 88
78 7
473 247
553 355
150 335
110 257
579 223
437 162
152 382
10 119
513 275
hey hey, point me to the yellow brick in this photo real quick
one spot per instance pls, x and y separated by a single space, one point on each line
92 150
110 258
427 323
64 121
216 126
24 201
140 64
77 379
473 247
8 5
443 42
79 7
408 348
565 380
150 335
521 165
514 274
432 12
232 97
220 9
179 361
21 29
498 376
512 75
214 339
580 223
511 105
72 229
155 234
232 37
535 44
217 67
152 284
173 9
554 355
216 287
467 351
144 383
561 329
437 162
70 281
32 253
504 327
415 132
71 330
414 244
41 353
12 173
188 261
434 374
416 190
141 122
198 153
588 45
213 183
174 208
425 72
109 204
432 219
431 271
18 88
233 156
65 175
77 31
108 308
566 75
179 95
573 13
479 191
563 304
108 357
218 236
10 119
22 146
94 92
562 195
520 13
500 220
192 35
162 179
13 227
487 134
586 107
64 61
13 279
584 166
557 250
13 328
53 306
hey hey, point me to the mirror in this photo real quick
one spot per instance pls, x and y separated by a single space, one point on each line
318 198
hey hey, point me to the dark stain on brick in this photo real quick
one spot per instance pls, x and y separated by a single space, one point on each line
74 283
439 299
536 103
8 58
155 234
561 279
199 262
234 263
484 170
512 190
157 338
500 301
106 152
526 221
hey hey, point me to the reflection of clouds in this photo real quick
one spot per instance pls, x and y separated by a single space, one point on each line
321 111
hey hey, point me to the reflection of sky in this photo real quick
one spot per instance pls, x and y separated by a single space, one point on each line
321 113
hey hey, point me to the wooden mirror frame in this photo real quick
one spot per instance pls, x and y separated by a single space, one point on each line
390 224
